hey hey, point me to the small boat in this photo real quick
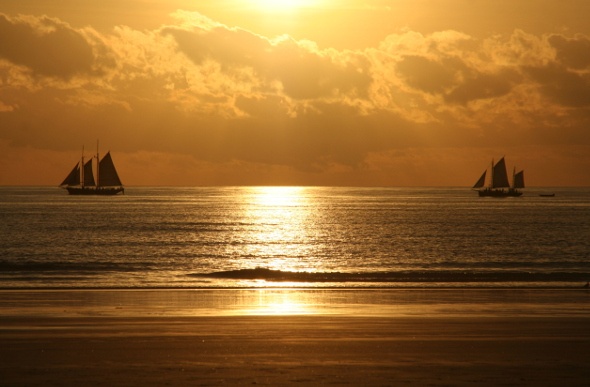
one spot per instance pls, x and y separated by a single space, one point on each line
547 195
498 185
80 181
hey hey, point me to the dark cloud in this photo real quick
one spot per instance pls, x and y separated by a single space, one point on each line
562 85
45 46
480 86
303 73
572 53
427 75
228 47
453 79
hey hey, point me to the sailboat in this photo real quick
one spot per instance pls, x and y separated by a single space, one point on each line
81 180
498 185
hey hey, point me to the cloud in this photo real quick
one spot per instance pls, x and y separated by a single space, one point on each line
573 53
563 86
301 70
566 79
527 78
221 95
6 108
481 86
46 46
428 75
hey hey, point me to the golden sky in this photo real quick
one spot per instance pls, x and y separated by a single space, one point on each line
308 92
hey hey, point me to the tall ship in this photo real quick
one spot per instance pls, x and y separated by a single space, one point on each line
498 185
81 180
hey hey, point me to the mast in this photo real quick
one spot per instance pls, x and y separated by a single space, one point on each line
492 175
82 169
97 166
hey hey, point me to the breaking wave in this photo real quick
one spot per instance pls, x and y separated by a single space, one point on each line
438 276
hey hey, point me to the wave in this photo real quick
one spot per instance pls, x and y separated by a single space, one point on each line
260 273
69 267
143 273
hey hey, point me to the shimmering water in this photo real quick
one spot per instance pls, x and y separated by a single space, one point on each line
293 236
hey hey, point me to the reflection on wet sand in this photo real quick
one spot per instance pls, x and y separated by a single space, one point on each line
273 302
280 301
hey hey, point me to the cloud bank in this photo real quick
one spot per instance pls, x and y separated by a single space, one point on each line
284 109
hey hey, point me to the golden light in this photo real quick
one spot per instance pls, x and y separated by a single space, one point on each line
278 302
282 5
281 218
278 197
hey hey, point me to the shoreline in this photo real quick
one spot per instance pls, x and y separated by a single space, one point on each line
292 286
295 337
382 302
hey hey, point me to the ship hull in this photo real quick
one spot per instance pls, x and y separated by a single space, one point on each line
499 193
106 191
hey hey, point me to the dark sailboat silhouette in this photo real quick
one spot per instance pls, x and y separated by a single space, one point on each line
80 181
498 185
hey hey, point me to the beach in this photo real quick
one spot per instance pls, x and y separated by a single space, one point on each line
295 337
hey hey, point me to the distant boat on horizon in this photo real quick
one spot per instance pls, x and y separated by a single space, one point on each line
81 181
498 185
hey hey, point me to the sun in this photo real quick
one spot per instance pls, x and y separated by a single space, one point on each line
281 5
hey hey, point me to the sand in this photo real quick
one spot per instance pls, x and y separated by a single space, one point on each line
148 338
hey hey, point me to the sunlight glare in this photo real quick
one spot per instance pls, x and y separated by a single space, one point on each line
281 5
278 196
282 216
272 302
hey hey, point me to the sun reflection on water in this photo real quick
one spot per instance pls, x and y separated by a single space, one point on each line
278 197
281 218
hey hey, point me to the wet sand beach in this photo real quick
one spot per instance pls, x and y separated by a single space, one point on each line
295 337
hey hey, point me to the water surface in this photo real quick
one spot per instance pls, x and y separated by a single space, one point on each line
241 237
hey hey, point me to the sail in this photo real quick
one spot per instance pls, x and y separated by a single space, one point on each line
500 177
480 183
88 175
74 176
519 180
108 176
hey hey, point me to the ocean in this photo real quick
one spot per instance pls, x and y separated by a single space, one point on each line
303 237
